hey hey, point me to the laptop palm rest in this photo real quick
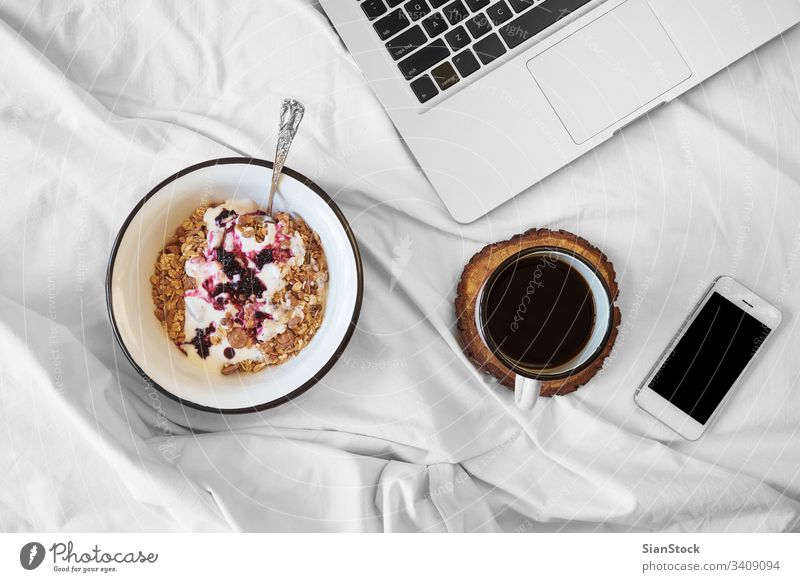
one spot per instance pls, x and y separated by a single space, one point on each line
609 69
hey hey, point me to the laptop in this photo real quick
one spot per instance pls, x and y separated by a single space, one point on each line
492 96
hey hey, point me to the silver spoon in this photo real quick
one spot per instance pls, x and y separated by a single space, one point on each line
292 112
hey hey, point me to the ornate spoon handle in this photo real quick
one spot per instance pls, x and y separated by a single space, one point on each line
292 112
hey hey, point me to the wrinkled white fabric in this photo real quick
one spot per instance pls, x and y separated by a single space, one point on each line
102 99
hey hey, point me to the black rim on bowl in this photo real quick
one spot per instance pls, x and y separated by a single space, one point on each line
507 362
322 371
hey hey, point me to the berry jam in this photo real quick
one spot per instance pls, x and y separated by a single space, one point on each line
263 258
224 215
229 353
202 341
249 284
230 265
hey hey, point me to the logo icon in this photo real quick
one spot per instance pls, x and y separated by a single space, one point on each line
31 555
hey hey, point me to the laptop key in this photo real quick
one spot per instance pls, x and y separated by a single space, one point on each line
373 8
424 89
457 38
406 42
438 3
534 21
479 25
499 12
391 24
435 25
466 63
520 5
445 75
417 9
489 49
423 59
456 12
394 3
476 5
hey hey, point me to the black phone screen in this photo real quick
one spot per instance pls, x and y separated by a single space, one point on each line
708 359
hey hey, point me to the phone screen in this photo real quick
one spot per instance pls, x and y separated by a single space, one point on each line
709 357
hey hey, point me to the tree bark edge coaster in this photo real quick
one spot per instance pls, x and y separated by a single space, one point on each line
481 266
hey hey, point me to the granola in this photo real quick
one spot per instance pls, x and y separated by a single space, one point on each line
237 291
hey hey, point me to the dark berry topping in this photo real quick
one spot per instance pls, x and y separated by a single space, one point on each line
263 258
260 316
230 265
202 341
224 216
229 353
249 285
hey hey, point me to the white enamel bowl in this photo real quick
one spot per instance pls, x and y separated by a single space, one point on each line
152 222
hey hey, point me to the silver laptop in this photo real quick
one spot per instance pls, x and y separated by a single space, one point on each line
492 96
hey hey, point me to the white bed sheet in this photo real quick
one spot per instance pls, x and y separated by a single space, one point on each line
102 99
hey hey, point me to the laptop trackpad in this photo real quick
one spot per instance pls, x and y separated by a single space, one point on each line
608 69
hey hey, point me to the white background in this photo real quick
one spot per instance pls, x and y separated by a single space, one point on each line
402 558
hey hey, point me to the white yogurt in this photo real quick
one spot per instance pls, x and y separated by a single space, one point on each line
204 309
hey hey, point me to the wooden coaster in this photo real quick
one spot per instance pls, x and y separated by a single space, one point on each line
485 261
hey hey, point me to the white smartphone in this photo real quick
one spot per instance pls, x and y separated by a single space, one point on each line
706 358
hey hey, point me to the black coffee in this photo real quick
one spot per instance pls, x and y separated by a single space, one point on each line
539 312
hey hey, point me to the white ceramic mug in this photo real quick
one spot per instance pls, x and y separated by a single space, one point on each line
528 382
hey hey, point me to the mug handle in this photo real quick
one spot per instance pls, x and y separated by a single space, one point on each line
526 392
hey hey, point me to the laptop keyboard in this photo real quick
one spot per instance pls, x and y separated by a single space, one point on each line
436 43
